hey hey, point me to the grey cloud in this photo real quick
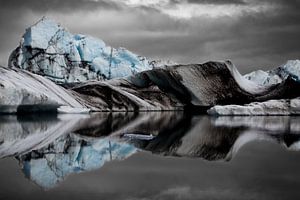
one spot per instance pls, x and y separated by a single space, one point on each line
216 1
57 5
258 40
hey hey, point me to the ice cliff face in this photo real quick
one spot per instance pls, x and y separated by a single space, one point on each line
51 51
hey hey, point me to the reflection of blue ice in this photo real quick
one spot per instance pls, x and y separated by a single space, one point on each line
71 154
49 150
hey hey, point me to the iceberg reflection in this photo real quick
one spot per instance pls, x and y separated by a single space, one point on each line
52 147
71 154
220 138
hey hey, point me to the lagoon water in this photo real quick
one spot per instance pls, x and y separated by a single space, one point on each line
154 155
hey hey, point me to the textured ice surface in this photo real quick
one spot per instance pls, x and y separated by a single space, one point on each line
71 110
271 107
172 88
50 50
263 78
290 68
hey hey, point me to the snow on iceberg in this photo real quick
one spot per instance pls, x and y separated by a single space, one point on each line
50 50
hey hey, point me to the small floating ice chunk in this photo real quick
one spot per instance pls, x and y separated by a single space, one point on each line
69 110
138 136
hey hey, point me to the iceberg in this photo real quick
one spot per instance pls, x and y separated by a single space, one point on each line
273 78
290 68
50 50
91 76
184 86
263 78
21 91
271 107
178 87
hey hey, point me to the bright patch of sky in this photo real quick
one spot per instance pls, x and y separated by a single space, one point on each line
185 10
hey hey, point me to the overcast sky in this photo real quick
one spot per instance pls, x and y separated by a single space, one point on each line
252 33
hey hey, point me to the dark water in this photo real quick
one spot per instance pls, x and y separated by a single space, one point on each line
145 156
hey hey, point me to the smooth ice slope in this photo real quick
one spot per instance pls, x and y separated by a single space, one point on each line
22 90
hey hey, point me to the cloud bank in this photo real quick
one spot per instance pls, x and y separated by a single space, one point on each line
253 34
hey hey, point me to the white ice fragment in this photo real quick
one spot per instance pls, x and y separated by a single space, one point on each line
69 110
271 107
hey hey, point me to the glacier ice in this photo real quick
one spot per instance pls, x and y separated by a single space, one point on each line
178 87
20 89
171 88
290 68
271 107
277 75
263 78
273 78
72 110
50 50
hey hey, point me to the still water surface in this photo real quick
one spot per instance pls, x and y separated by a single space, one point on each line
168 155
